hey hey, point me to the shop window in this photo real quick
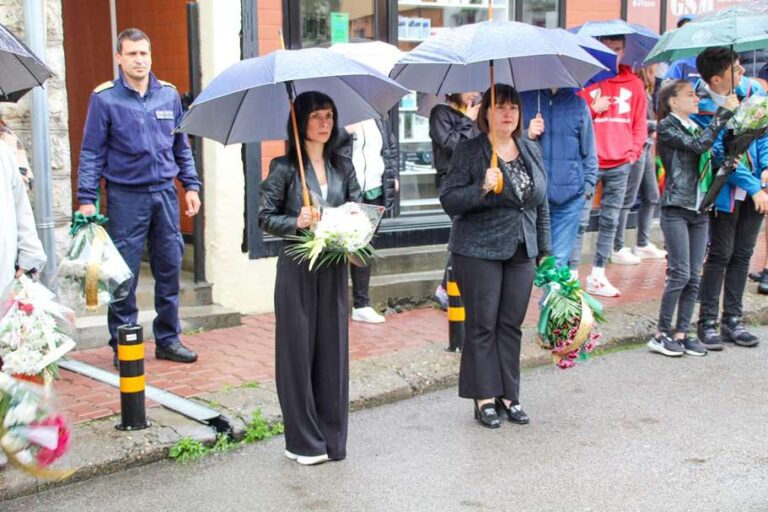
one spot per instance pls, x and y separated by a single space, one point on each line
323 22
542 13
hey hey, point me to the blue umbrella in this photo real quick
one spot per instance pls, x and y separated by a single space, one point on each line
524 56
20 68
250 100
596 49
639 39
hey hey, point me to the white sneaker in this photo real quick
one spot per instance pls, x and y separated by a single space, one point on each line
367 315
307 460
624 257
601 286
650 252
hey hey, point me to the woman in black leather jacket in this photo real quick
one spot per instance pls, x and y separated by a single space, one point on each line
494 242
311 307
684 149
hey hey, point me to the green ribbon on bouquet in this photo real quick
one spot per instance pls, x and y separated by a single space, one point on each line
80 221
556 280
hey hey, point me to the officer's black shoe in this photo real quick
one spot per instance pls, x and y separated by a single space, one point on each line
176 352
733 331
757 276
708 336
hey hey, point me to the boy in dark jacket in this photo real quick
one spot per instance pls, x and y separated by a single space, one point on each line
559 120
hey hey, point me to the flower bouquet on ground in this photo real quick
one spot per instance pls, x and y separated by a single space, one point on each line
749 123
92 273
33 332
342 234
567 324
32 435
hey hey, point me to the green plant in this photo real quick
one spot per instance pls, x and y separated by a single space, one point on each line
251 384
223 444
258 429
187 449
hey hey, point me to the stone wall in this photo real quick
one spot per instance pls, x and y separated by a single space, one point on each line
17 116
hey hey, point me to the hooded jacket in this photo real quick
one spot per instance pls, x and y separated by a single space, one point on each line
567 144
745 177
621 131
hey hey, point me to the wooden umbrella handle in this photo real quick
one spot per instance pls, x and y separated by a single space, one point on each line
494 157
300 157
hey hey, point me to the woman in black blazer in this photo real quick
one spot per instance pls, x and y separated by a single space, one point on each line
494 242
311 306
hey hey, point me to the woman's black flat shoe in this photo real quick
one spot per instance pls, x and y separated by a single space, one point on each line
516 415
487 416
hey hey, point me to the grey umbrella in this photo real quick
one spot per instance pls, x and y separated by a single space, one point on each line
20 69
523 56
250 101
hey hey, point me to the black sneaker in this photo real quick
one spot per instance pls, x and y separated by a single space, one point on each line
708 335
666 345
733 331
757 276
694 347
762 286
176 352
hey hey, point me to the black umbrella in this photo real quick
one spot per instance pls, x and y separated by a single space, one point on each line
20 68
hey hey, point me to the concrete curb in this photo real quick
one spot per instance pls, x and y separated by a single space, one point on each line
101 450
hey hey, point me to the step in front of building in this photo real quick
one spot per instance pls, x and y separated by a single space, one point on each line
92 330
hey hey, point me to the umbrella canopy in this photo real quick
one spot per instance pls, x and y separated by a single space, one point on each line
596 49
250 100
639 39
524 56
374 54
742 27
20 69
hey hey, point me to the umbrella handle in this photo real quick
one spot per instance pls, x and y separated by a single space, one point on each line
494 157
299 157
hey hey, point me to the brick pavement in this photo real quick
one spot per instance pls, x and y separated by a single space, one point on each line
245 354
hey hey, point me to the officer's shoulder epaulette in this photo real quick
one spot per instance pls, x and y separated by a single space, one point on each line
104 86
166 84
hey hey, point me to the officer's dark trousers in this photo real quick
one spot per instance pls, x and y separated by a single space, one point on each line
312 356
495 295
136 217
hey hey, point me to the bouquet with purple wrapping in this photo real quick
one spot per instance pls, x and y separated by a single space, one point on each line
569 316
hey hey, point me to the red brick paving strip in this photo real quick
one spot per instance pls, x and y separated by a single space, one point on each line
237 355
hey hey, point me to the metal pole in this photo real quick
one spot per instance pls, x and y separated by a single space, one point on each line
195 86
34 26
130 354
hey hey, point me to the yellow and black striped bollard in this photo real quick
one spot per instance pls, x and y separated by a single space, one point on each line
130 353
456 315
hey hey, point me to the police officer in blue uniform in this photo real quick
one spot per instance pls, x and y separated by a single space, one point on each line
128 141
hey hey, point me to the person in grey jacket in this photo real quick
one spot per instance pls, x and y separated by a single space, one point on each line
494 242
311 306
684 150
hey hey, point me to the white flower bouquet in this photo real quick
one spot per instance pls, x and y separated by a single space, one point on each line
33 332
342 234
32 435
92 273
749 122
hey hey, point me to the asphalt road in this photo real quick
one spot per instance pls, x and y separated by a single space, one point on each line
623 432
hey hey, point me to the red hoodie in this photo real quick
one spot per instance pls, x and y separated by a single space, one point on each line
620 131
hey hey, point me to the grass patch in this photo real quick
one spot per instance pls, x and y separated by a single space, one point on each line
257 429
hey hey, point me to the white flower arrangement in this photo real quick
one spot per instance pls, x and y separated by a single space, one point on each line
32 335
92 255
342 234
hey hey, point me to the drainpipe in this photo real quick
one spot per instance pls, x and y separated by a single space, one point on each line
34 26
